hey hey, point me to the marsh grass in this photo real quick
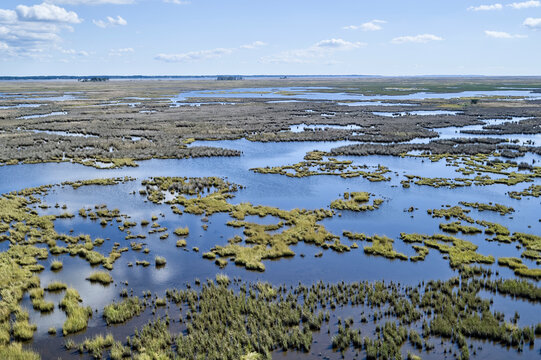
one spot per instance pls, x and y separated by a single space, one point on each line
77 316
15 351
22 329
101 277
502 209
223 280
354 201
56 286
383 246
182 231
116 313
56 265
160 261
456 227
96 345
181 243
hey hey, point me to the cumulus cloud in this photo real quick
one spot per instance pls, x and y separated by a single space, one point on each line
254 45
8 16
194 55
502 35
373 25
92 2
110 21
32 31
3 46
47 12
422 38
486 7
320 50
532 23
525 4
121 52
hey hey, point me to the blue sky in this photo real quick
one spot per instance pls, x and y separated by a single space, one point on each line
199 37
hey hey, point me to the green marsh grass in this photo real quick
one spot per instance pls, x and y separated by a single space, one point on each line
101 277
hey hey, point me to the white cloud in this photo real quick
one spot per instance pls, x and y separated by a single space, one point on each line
525 4
121 52
502 35
373 25
47 12
206 54
532 23
110 21
422 38
3 46
194 55
7 16
338 44
178 2
73 52
92 2
33 31
486 7
254 45
320 50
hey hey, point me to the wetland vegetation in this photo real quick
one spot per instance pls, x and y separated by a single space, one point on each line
157 229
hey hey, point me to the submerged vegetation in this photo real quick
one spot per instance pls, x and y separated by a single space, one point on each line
258 319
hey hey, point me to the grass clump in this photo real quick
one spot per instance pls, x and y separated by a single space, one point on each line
181 243
56 265
97 344
533 190
15 351
383 246
182 231
422 252
460 251
101 277
456 227
56 286
519 268
77 316
123 311
494 228
354 201
223 280
160 261
502 209
22 329
38 302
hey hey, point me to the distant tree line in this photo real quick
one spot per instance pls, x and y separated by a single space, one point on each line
94 79
229 77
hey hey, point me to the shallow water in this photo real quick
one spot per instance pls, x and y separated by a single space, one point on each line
184 265
301 127
43 115
420 113
21 106
311 93
61 133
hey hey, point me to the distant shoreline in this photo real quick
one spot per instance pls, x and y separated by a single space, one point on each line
245 77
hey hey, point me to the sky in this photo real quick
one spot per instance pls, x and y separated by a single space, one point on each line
303 37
